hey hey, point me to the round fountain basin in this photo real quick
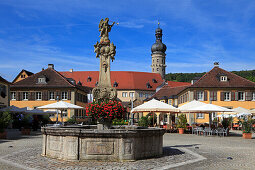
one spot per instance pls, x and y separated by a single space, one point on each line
84 143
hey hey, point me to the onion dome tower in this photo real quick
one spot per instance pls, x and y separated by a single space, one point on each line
158 54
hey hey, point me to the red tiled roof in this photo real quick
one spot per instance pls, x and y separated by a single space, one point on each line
212 79
125 79
176 84
168 91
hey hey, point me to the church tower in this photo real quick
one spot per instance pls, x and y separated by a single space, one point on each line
158 54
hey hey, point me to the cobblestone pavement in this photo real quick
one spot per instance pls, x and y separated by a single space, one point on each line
180 152
230 152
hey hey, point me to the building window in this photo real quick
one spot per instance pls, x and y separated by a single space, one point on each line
140 94
52 115
25 95
240 95
13 95
64 113
200 95
200 115
170 101
23 76
157 60
64 95
227 96
52 97
38 95
146 95
253 95
124 94
132 94
157 69
223 78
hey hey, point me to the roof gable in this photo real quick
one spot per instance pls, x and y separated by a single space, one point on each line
28 73
124 79
54 79
212 79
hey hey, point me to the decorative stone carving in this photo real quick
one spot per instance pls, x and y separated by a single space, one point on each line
106 52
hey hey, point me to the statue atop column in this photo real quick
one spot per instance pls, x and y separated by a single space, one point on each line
106 52
104 29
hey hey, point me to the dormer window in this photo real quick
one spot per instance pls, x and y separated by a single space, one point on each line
96 83
154 81
148 85
115 84
79 83
89 79
223 78
41 80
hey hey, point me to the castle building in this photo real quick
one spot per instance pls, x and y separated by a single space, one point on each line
217 86
158 55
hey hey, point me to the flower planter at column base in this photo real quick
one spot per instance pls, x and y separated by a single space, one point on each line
25 131
181 130
3 135
247 135
101 125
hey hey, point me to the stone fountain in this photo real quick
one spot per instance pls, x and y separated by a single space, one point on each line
91 142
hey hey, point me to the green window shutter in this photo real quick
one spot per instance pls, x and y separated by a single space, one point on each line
232 96
236 96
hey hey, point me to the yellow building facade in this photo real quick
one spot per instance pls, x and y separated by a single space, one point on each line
46 87
218 87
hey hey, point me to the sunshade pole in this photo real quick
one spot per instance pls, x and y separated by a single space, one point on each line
62 116
57 116
153 118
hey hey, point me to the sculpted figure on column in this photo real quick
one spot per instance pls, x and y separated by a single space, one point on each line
104 29
106 52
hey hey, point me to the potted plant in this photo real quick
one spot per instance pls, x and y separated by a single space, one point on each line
26 124
5 119
144 121
181 123
226 123
247 128
105 112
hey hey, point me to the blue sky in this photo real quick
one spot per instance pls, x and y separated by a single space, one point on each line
34 33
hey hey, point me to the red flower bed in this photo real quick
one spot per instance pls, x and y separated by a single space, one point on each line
106 110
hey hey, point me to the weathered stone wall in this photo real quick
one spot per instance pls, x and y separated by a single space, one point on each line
111 145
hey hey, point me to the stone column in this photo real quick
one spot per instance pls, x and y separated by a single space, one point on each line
168 118
158 122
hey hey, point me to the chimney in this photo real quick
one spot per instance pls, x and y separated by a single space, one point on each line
51 66
42 69
71 70
216 64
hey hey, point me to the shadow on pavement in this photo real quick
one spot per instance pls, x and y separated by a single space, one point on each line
15 134
185 145
168 151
